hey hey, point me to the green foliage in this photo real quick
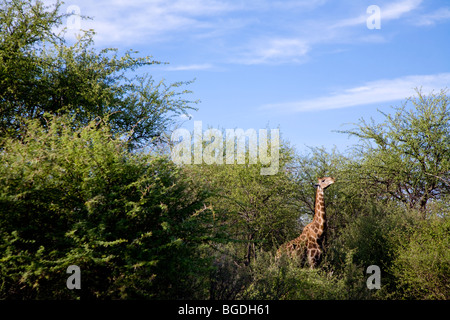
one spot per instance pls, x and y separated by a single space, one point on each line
384 196
284 279
307 168
40 73
74 189
422 263
406 157
257 209
229 278
133 223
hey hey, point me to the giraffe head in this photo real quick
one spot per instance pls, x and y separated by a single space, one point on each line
324 182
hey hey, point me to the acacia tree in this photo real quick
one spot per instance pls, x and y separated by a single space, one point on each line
71 192
134 223
255 207
255 212
41 73
406 156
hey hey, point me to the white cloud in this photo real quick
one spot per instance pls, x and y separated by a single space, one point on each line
190 67
378 91
239 31
133 21
276 50
396 10
282 5
294 49
433 18
391 11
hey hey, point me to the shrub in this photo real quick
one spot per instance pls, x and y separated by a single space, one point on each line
422 263
135 224
285 279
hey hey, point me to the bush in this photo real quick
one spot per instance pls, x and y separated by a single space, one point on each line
284 279
229 277
135 224
422 263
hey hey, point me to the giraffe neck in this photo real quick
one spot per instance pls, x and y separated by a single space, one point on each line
319 211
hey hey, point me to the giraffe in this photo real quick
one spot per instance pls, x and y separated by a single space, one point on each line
309 241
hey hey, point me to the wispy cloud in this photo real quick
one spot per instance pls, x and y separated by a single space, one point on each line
295 48
390 11
274 51
133 21
433 17
190 67
378 91
242 31
396 10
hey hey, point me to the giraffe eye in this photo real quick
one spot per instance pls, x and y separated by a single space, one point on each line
323 180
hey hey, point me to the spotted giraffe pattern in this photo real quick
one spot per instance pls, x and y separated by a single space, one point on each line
309 242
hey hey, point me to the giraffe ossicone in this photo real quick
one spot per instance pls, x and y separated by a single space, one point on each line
309 242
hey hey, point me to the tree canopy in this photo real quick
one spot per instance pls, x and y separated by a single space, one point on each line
407 156
76 189
41 72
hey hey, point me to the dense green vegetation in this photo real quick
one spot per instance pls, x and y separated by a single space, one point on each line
76 188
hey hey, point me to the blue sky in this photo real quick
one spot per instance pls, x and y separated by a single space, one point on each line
308 67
